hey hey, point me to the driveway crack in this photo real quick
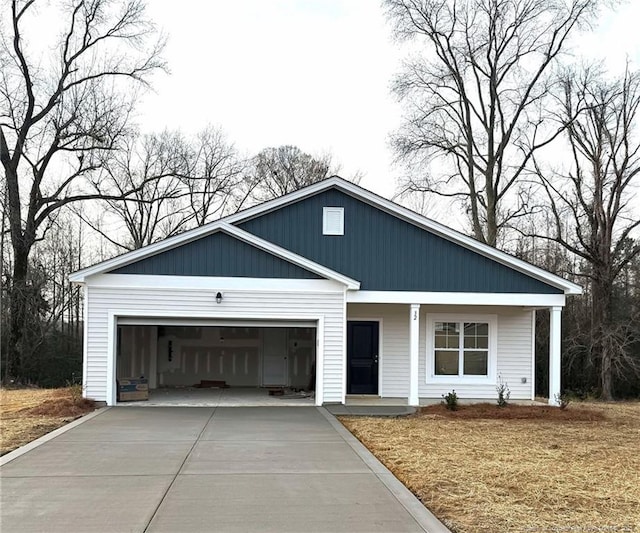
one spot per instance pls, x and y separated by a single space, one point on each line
155 511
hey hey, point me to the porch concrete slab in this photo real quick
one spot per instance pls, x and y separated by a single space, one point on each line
370 410
80 504
67 458
261 457
136 424
337 409
281 503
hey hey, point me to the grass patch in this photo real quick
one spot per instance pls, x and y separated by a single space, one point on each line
517 468
27 414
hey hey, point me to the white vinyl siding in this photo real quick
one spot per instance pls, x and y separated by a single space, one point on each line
515 353
514 347
186 302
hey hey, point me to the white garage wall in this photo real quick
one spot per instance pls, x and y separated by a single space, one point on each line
123 295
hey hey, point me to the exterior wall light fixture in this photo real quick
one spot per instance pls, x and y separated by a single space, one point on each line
219 297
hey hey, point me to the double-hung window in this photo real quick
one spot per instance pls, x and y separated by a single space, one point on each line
461 347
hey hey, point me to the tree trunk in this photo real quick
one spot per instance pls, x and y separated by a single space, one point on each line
18 311
606 374
600 327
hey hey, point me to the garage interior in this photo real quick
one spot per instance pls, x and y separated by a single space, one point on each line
222 364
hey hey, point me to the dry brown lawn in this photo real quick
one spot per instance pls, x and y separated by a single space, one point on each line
530 469
26 414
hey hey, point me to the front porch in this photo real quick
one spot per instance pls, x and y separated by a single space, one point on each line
422 351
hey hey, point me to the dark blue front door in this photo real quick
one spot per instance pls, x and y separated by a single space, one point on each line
362 357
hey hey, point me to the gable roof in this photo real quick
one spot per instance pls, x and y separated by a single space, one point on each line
385 252
171 243
227 223
421 221
217 255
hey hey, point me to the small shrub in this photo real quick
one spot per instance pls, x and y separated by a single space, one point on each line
75 391
503 392
562 400
450 400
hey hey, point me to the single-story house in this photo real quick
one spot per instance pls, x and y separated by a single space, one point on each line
330 287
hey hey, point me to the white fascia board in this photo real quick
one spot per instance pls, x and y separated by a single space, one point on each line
200 283
291 257
457 298
419 220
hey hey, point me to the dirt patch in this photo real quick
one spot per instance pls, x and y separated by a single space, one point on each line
61 408
516 471
27 414
489 411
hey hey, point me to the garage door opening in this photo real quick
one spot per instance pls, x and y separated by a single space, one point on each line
220 364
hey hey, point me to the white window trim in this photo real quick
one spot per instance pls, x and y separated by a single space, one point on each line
492 362
326 227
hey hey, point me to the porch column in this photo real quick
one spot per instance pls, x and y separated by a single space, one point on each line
554 354
414 336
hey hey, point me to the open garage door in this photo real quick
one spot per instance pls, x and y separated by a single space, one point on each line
218 354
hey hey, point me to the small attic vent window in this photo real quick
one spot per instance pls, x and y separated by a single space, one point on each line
333 220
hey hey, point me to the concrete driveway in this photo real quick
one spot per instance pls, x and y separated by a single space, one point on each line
206 469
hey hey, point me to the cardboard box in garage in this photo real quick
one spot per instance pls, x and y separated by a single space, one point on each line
133 389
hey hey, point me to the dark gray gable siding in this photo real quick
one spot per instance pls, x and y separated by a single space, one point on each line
217 254
384 252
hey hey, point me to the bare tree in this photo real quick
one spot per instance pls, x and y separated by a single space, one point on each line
476 98
151 166
279 171
166 184
57 120
593 204
216 177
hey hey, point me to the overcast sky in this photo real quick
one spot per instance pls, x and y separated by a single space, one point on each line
311 73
